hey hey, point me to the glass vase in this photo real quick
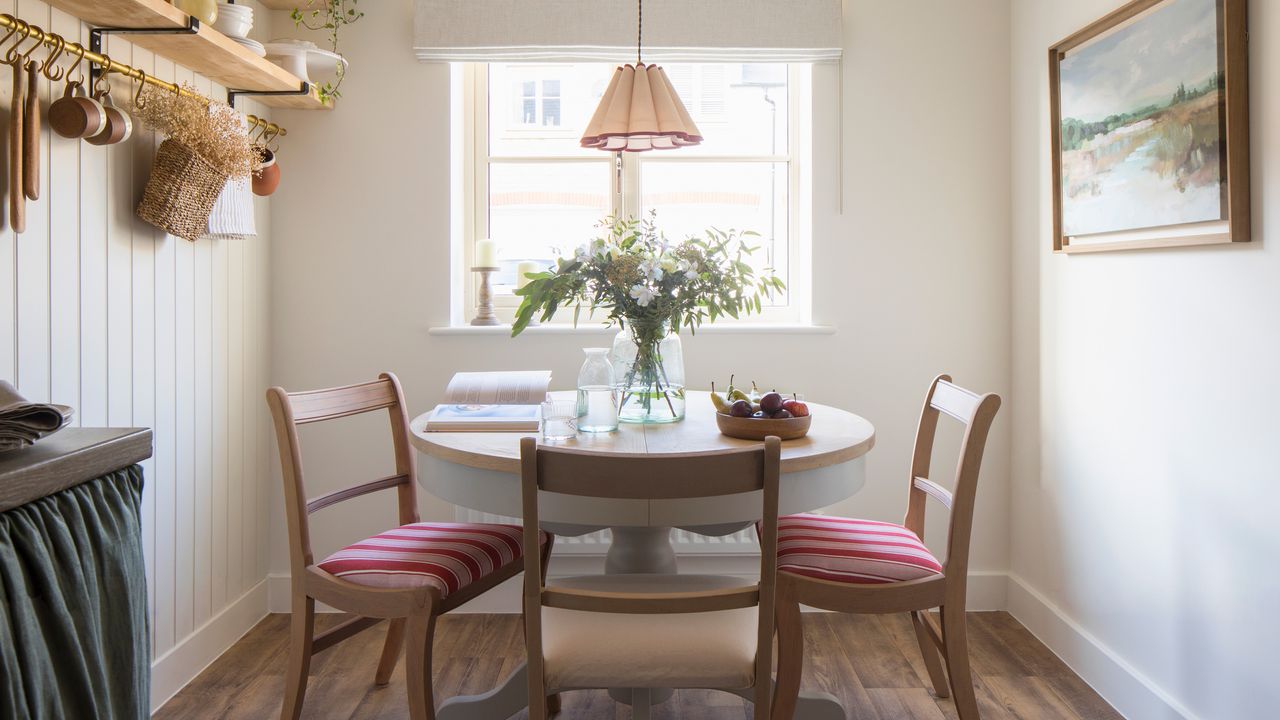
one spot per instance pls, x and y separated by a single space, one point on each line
648 362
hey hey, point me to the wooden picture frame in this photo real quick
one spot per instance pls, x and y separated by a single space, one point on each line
1229 88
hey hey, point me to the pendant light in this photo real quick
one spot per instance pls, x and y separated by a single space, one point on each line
640 109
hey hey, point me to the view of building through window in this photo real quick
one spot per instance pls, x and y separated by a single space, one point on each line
545 194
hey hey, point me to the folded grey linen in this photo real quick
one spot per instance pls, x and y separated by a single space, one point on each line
22 423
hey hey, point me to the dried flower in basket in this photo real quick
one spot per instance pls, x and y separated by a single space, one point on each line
212 130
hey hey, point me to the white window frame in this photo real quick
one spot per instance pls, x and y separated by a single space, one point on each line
627 193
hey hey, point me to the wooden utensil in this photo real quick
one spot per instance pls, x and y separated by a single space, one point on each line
31 134
17 201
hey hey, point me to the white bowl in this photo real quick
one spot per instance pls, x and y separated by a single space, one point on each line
232 9
232 27
290 57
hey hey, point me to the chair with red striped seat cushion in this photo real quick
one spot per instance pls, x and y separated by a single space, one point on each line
852 551
448 556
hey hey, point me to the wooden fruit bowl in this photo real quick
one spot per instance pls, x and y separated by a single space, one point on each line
749 428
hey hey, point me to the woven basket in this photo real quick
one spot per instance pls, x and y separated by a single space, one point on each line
180 192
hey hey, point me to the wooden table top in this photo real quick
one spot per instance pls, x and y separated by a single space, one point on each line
836 436
67 458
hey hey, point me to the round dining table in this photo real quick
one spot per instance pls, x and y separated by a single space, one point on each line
481 471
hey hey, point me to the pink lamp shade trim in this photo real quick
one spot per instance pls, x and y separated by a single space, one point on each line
640 111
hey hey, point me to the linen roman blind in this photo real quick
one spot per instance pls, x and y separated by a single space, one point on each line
605 30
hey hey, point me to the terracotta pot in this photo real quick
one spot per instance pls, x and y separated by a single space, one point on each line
267 178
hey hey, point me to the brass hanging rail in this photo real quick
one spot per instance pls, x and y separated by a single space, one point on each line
59 45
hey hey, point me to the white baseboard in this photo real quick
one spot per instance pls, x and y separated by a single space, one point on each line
173 670
1131 693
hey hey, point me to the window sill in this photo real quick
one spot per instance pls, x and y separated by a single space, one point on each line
562 329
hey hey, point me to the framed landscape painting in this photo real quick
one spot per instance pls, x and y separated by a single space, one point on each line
1149 124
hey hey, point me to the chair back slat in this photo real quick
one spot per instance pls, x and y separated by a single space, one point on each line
667 477
332 403
954 401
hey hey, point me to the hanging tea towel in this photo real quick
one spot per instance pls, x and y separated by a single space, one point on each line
233 212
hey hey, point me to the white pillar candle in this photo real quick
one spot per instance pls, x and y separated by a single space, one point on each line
486 255
525 267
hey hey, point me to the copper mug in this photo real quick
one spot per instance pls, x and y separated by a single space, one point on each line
119 126
75 114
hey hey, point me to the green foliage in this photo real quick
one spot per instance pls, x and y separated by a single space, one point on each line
330 15
640 278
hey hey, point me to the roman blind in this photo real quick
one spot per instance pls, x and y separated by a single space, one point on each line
605 30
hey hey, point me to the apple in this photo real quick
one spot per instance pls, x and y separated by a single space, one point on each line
797 408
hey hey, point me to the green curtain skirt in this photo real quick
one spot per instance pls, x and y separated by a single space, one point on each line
74 640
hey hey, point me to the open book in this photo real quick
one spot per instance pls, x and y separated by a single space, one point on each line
492 402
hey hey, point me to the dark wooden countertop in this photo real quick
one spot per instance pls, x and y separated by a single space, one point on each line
67 458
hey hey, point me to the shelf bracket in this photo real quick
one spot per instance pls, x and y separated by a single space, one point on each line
95 39
304 89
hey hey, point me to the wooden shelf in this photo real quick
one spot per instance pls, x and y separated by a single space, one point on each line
209 53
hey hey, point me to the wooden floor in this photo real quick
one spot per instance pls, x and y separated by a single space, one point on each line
871 663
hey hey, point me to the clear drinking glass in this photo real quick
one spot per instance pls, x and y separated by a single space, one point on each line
559 420
597 395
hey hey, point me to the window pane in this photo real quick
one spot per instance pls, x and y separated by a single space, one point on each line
741 108
541 109
691 197
541 211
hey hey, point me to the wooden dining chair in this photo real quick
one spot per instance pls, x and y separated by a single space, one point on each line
645 631
865 566
410 574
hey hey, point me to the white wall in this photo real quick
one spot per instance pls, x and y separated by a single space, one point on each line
1145 472
131 327
914 275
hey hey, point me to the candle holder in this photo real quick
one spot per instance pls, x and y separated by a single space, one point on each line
484 313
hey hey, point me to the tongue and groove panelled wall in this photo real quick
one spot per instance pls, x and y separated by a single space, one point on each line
131 327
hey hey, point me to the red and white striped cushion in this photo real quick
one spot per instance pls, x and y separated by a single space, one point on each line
449 556
852 551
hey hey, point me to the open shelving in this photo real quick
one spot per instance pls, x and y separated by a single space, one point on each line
207 52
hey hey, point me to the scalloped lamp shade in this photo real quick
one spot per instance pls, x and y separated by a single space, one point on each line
640 111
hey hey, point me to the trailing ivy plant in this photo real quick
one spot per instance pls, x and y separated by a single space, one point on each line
329 15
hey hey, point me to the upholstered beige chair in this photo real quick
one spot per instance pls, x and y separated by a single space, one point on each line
410 574
649 631
865 566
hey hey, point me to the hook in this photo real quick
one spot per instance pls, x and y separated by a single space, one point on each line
39 35
102 78
15 25
51 69
78 51
273 132
12 56
138 102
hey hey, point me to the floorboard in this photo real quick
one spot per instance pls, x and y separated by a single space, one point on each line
871 663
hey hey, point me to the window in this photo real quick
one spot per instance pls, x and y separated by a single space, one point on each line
538 195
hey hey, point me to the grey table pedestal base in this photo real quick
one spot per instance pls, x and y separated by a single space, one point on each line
633 550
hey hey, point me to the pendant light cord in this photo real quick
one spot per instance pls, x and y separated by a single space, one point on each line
639 28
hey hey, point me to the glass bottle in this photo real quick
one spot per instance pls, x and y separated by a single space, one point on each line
597 393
